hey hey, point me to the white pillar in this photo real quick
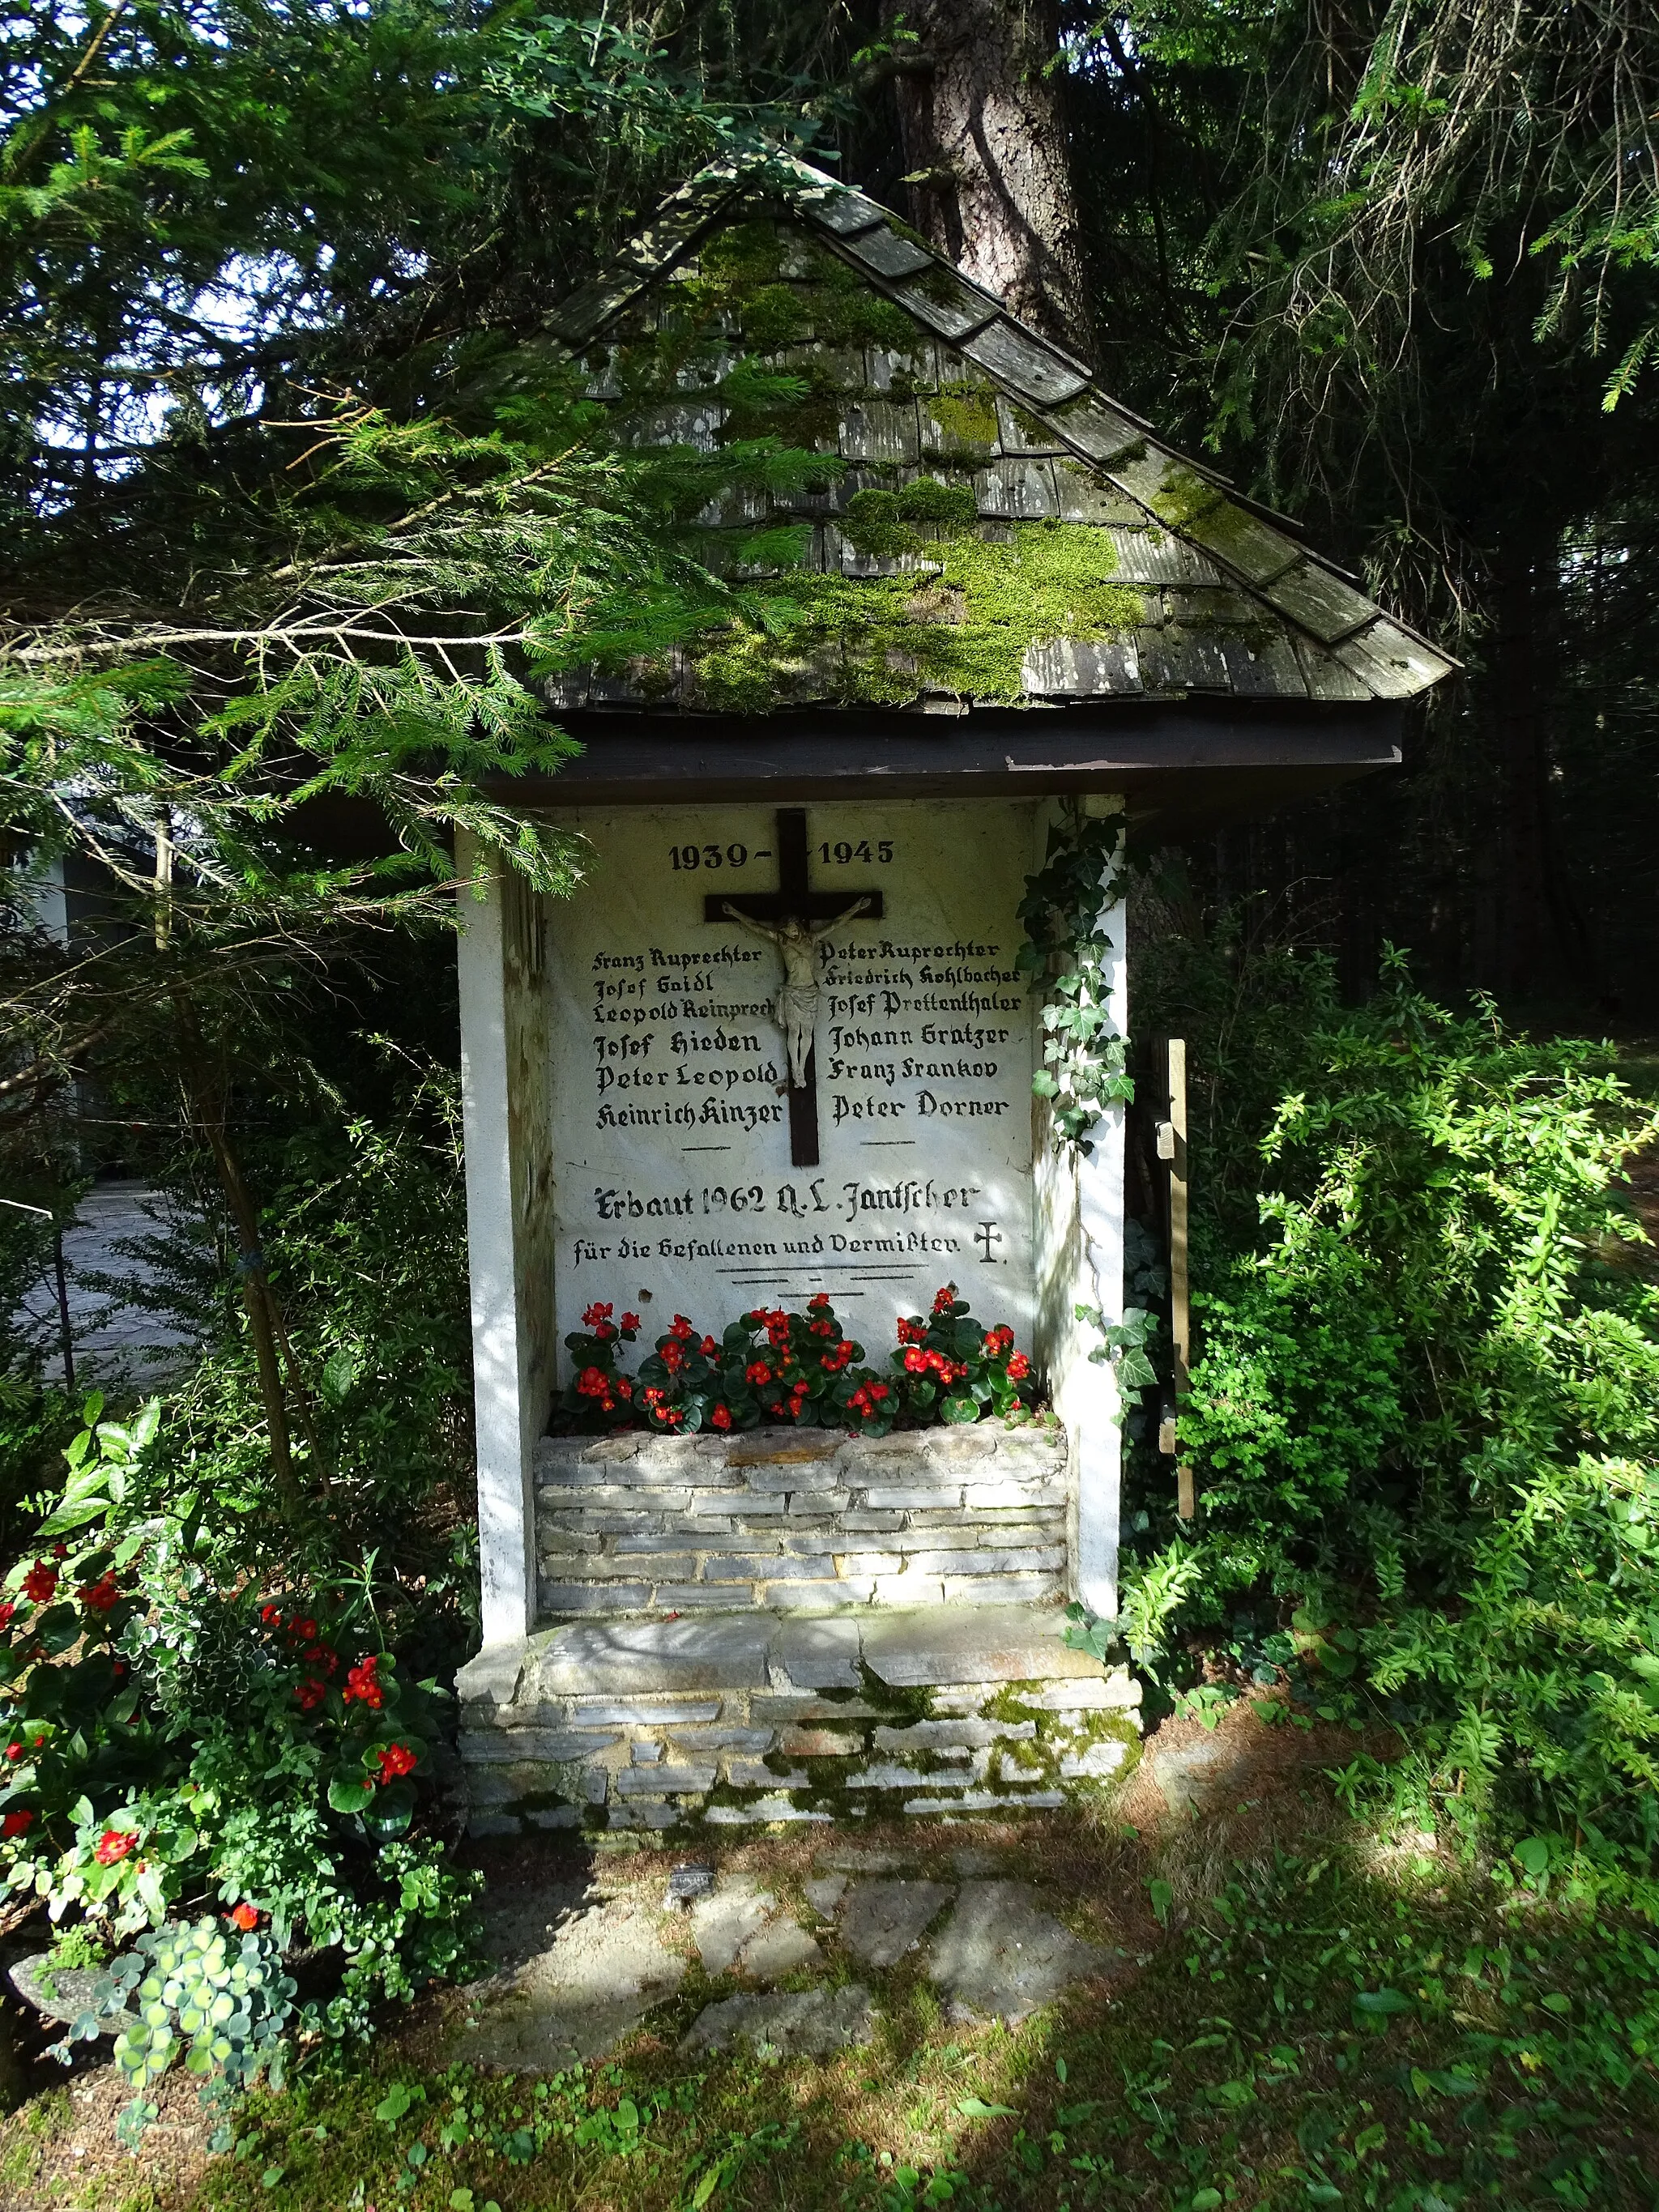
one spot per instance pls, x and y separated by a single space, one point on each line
1079 1245
505 1414
1098 1449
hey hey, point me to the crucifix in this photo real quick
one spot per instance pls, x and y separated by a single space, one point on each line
786 916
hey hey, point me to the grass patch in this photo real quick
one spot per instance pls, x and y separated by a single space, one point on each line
1323 2020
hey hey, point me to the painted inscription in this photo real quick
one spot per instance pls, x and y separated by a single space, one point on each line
672 1073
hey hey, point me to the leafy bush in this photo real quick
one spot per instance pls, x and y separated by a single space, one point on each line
219 2009
171 1740
1426 1413
794 1368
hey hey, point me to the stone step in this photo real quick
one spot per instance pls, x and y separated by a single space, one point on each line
766 1716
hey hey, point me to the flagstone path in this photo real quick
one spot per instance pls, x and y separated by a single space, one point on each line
574 1986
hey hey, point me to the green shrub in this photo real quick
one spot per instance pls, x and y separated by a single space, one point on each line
174 1742
1427 1412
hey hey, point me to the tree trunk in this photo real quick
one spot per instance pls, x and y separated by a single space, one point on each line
203 1088
984 132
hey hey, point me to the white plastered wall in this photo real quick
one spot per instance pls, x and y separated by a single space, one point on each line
1078 1202
507 1118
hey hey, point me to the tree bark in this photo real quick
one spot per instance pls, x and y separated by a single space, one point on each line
204 1097
981 115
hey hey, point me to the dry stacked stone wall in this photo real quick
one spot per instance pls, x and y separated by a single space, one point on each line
801 1520
741 1720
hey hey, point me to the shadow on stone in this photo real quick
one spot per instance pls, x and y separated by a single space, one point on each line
813 2024
1000 1956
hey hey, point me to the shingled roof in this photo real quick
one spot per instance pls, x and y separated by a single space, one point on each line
913 373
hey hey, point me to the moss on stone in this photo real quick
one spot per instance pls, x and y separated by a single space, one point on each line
896 1704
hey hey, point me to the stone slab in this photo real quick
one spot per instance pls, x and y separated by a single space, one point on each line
573 2001
760 1812
820 1653
782 1947
726 1653
814 2023
665 1781
1197 1778
881 1920
853 1859
1000 1956
986 1644
63 1993
495 1746
723 1923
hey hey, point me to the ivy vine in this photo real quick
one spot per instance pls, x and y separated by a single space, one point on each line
1084 1056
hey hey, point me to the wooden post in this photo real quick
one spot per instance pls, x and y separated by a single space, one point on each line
1172 1148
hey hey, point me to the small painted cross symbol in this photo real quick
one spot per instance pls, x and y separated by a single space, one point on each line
985 1236
794 900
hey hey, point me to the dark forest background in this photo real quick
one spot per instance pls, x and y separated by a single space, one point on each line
1392 267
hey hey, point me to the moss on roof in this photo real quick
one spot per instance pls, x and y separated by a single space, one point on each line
988 527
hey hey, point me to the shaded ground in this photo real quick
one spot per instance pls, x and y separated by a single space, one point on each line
1289 2012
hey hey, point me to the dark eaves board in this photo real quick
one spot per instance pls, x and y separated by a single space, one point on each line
1253 670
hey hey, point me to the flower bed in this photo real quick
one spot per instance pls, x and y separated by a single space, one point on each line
799 1369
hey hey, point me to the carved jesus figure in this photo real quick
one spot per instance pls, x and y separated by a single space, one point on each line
796 1005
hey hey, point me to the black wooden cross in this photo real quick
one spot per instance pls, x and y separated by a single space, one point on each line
794 899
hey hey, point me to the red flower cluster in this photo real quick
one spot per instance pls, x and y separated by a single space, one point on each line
868 1397
681 1329
320 1661
361 1684
655 1402
597 1318
397 1758
607 1391
1018 1368
245 1916
721 1418
103 1595
114 1845
40 1583
758 1373
17 1824
997 1342
7 1609
917 1362
945 1300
